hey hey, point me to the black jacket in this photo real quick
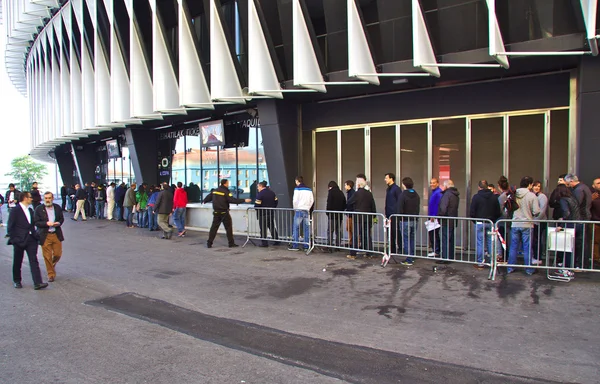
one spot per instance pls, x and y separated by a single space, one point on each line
164 202
16 198
336 201
21 231
193 193
583 194
221 198
80 194
36 197
266 199
392 196
1 201
449 204
63 191
349 205
100 194
91 193
409 203
362 201
41 222
485 206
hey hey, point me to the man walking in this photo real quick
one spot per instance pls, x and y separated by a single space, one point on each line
180 202
110 199
80 198
434 204
163 208
303 201
12 200
23 238
221 198
392 196
409 203
529 208
484 206
266 198
128 205
49 219
448 208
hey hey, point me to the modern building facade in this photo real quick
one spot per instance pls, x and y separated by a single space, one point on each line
251 90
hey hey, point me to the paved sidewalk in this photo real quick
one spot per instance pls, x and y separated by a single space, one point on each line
516 325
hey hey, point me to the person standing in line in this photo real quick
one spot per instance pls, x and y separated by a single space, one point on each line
163 209
128 204
23 238
303 201
554 199
80 200
1 204
336 203
36 197
12 200
221 198
91 194
448 208
362 202
49 219
434 204
141 198
152 215
119 200
349 187
63 197
110 200
539 235
266 198
180 202
392 195
596 217
583 237
520 233
100 201
408 204
484 206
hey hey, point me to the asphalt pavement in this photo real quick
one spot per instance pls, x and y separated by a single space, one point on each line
128 307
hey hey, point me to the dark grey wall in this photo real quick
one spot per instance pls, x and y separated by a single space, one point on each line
66 165
495 96
143 150
279 127
588 104
84 155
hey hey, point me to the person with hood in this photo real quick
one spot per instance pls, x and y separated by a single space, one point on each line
349 187
336 203
520 233
484 206
362 201
448 208
392 195
409 203
434 204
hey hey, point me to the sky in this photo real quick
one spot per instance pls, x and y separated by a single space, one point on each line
14 130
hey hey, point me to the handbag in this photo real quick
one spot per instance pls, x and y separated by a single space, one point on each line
561 241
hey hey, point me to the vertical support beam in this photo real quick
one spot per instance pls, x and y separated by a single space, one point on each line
143 147
368 153
430 150
314 160
468 173
339 157
573 122
506 146
547 128
398 152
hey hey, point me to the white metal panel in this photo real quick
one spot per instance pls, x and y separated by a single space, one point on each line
119 80
193 89
495 36
48 101
224 81
360 59
76 90
422 49
306 67
87 70
262 78
56 89
590 8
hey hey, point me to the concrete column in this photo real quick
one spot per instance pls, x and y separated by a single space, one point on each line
66 165
588 119
143 150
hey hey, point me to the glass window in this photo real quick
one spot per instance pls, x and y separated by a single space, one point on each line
209 167
559 146
227 166
413 159
383 160
326 148
448 155
262 160
487 151
353 154
247 164
178 162
127 172
192 145
526 147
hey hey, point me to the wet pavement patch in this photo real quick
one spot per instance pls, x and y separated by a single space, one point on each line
351 363
344 272
280 259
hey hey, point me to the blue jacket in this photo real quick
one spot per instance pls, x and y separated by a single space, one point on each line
349 194
392 195
434 201
119 195
152 198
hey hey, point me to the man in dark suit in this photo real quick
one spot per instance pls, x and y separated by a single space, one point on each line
48 219
23 238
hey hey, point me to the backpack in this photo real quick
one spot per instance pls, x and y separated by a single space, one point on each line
511 205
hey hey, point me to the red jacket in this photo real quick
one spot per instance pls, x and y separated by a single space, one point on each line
180 199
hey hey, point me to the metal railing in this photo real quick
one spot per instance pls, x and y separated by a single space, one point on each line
560 247
442 239
358 233
279 225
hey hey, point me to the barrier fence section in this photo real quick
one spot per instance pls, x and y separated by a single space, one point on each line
561 247
278 225
357 233
442 239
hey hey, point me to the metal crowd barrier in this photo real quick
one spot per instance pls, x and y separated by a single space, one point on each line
560 247
442 239
358 233
277 225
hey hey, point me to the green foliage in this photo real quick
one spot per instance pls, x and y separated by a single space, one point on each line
25 171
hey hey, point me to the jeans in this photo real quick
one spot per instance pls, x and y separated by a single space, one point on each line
447 240
179 219
100 209
408 235
120 210
481 230
300 217
128 216
142 218
518 236
152 218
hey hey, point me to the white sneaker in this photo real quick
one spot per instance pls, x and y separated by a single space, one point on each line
431 254
536 262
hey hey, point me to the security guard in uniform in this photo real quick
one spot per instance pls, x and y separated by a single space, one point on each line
221 198
266 198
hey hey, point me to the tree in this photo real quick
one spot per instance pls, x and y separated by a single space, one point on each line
25 171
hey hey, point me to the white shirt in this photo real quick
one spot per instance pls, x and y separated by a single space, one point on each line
26 211
110 193
11 196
